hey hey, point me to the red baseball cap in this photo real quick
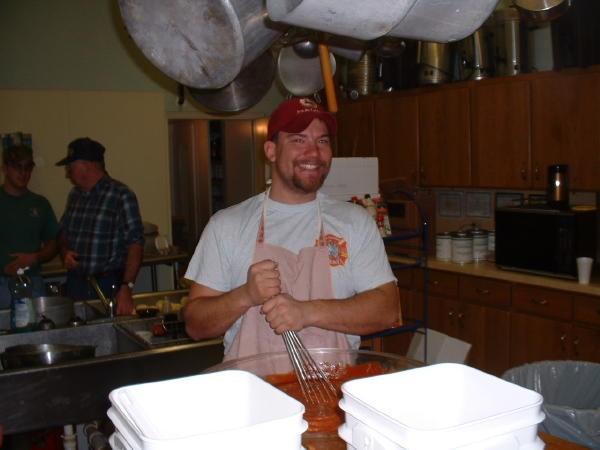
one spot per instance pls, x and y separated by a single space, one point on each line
294 116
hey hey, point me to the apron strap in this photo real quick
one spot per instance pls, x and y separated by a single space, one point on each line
260 237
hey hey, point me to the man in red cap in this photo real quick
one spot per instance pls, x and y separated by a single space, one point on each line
291 258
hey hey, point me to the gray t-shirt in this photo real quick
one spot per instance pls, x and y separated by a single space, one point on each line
357 255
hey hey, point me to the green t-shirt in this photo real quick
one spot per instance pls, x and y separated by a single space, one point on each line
25 222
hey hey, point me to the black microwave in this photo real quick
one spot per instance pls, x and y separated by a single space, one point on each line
543 240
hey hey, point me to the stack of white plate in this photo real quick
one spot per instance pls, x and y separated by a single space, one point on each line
443 406
229 409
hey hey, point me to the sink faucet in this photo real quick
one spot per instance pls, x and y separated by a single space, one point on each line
110 304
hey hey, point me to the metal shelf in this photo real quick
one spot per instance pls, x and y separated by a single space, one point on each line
417 260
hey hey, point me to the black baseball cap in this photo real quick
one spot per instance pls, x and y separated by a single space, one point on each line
83 149
17 153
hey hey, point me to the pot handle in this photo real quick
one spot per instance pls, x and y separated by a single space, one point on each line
327 78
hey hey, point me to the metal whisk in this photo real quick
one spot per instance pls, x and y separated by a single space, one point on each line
316 386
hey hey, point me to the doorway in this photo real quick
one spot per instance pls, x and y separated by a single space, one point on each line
213 164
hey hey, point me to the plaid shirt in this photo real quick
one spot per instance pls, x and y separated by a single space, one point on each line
101 225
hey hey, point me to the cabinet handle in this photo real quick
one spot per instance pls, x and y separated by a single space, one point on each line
435 283
524 174
482 291
536 173
575 344
563 340
538 301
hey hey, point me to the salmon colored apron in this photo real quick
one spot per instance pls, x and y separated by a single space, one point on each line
304 276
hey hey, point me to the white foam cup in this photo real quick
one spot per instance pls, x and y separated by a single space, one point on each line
584 269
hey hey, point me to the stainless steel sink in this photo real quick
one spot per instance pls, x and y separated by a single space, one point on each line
107 337
77 391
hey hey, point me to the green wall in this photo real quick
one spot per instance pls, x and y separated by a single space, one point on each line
83 45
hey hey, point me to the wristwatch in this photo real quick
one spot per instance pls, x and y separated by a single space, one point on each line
129 284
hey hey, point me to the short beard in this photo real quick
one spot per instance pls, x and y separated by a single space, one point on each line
308 187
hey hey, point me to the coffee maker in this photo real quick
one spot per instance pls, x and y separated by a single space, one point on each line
558 186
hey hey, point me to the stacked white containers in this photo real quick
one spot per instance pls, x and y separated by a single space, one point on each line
443 406
221 410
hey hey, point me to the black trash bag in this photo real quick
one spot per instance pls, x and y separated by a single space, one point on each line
571 391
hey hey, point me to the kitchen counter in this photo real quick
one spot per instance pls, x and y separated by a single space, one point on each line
488 269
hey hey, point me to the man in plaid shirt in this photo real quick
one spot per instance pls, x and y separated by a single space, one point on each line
101 232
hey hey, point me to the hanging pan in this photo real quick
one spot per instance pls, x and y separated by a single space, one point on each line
300 76
244 91
540 11
200 43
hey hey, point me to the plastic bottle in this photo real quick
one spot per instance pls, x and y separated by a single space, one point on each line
22 314
370 206
383 218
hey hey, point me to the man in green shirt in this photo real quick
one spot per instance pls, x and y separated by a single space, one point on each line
28 226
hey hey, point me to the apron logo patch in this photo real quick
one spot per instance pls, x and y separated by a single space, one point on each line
337 249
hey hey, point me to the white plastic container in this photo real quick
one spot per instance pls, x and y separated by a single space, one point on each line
228 409
443 247
443 406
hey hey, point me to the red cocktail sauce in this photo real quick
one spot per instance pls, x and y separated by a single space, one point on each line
324 418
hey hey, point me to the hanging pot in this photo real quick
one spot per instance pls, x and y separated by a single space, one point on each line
203 44
359 19
542 10
475 61
433 59
300 76
443 20
244 91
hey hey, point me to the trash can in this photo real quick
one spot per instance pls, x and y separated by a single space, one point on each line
571 391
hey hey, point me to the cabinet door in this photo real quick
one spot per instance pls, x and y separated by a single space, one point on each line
566 128
484 291
442 315
444 158
355 129
491 347
585 344
535 338
543 302
496 341
469 323
586 338
500 134
396 137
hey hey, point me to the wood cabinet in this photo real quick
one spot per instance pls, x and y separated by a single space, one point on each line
355 123
473 310
566 126
396 137
508 324
551 324
492 300
534 338
497 133
541 325
586 331
444 147
385 127
500 129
